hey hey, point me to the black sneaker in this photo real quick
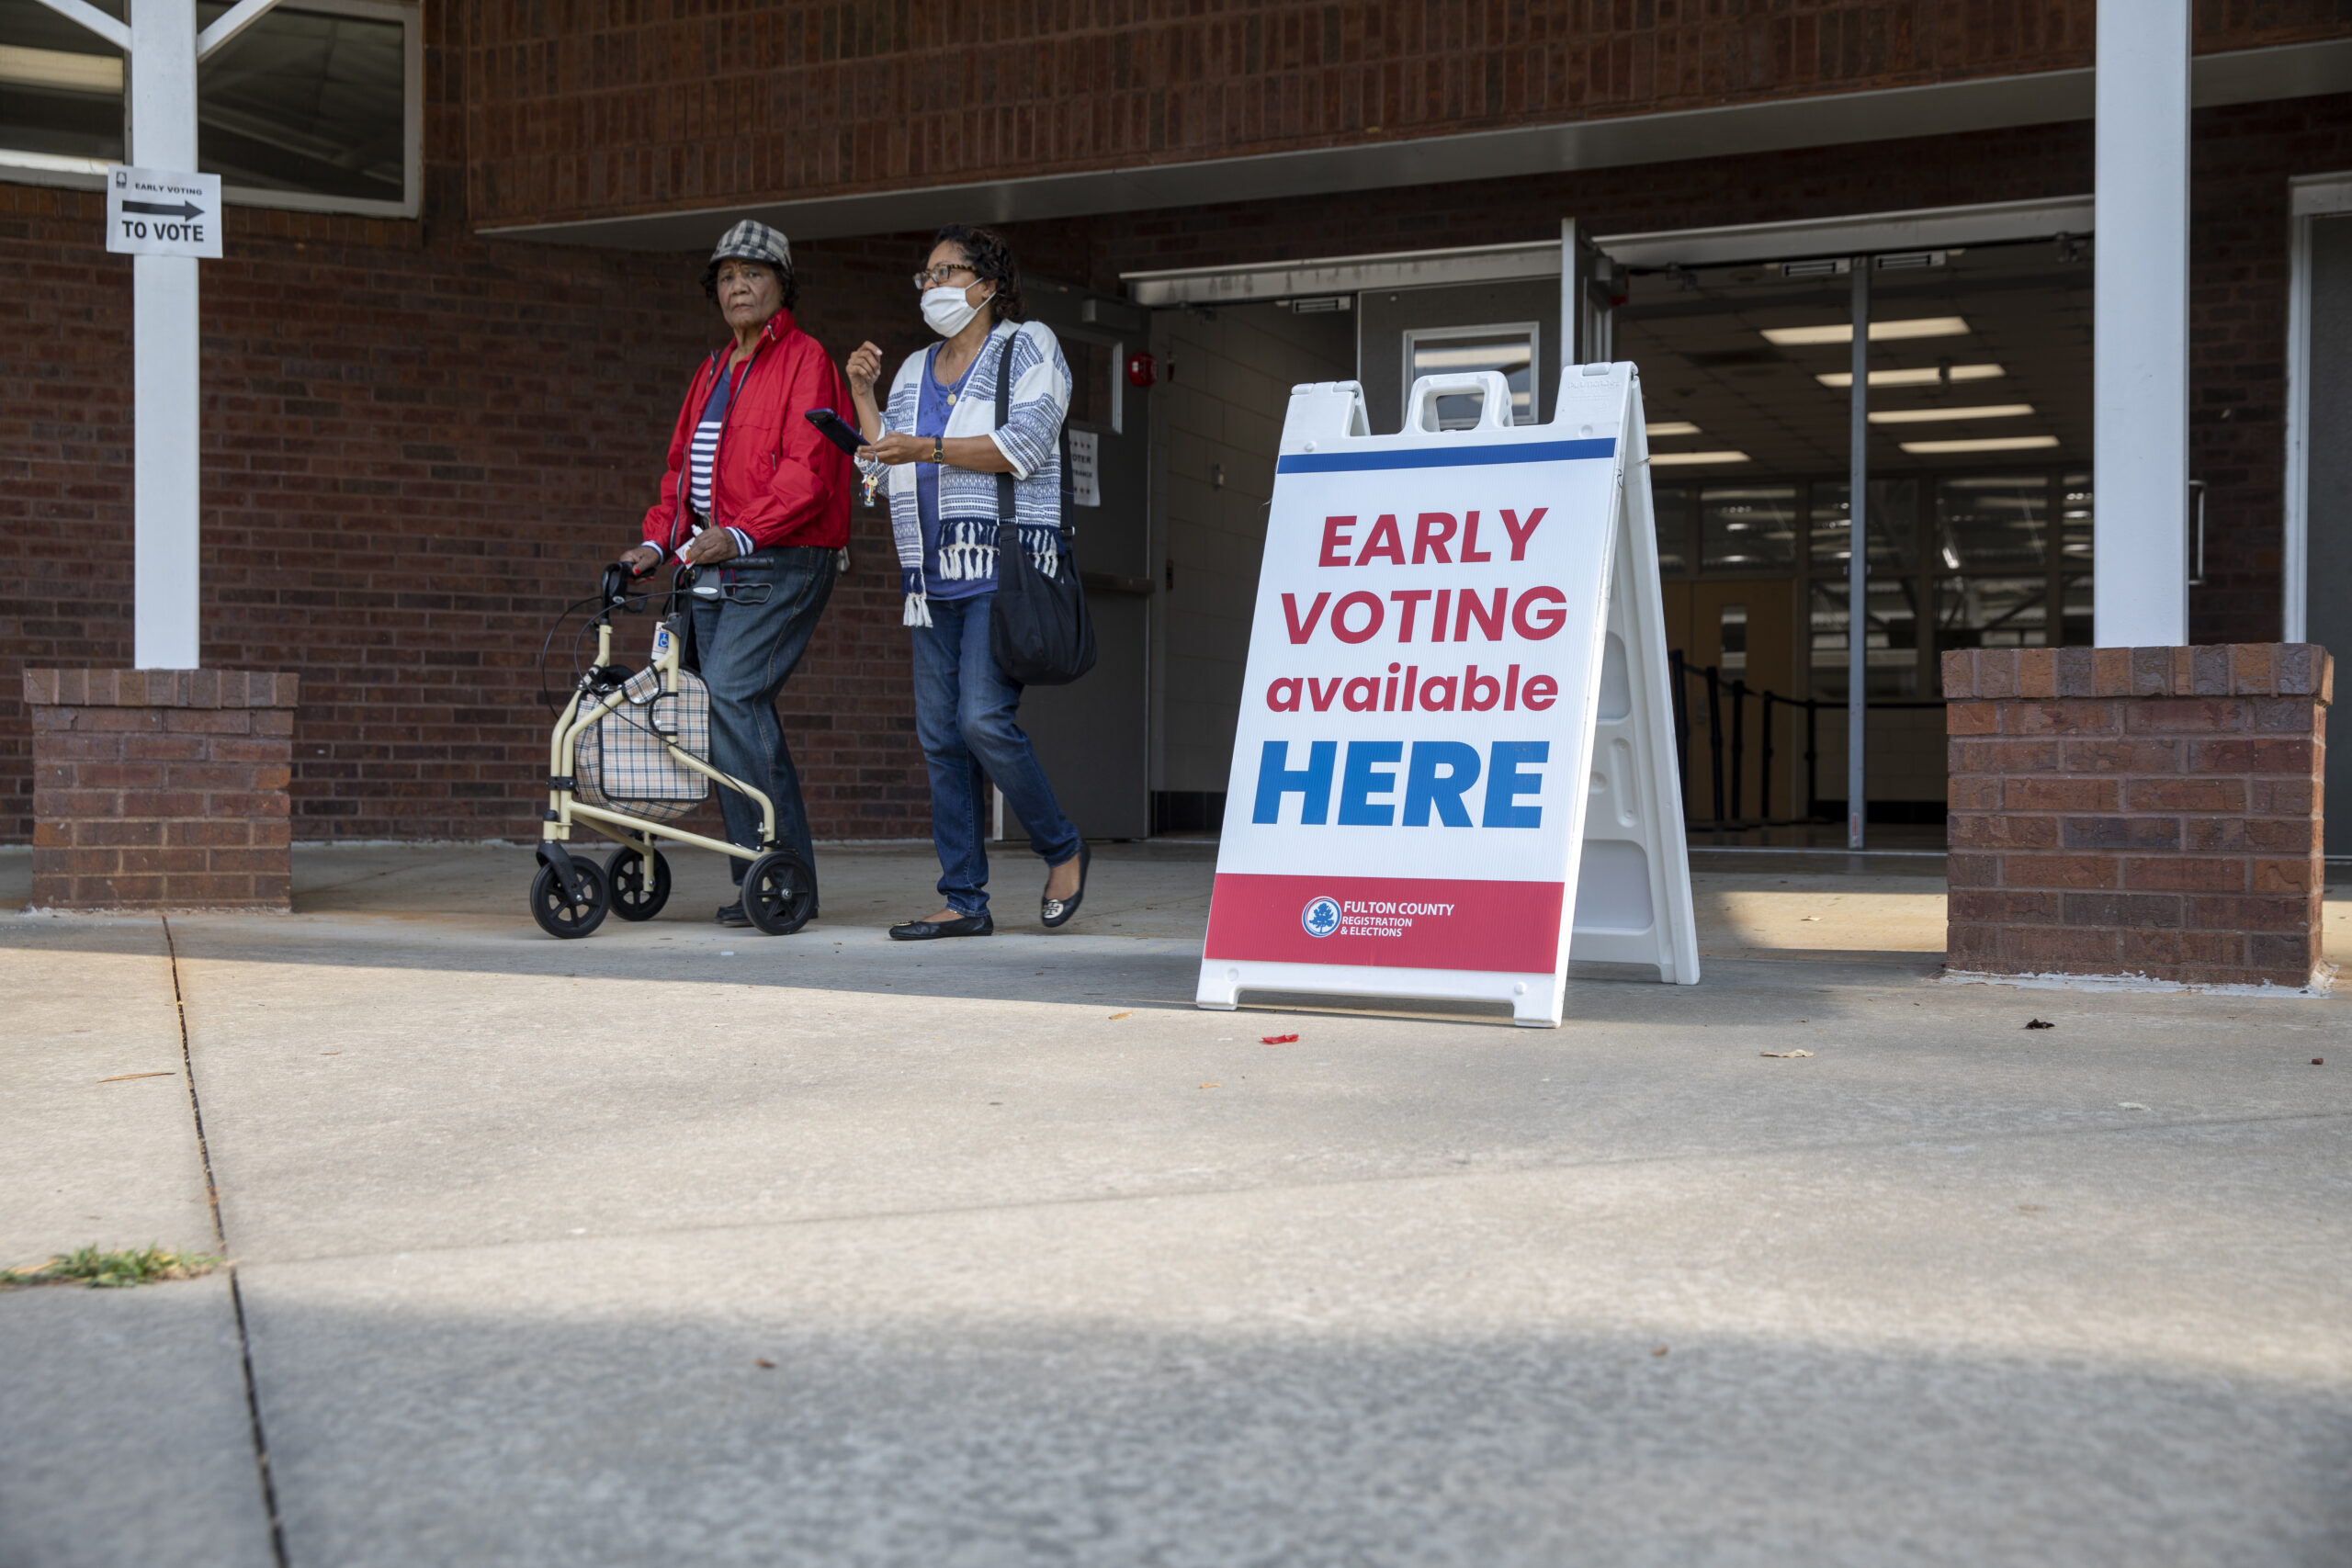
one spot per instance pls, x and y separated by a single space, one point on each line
732 914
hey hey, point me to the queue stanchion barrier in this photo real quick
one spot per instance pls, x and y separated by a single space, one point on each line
1715 736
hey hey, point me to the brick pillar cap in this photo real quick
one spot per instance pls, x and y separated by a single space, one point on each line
161 688
2213 670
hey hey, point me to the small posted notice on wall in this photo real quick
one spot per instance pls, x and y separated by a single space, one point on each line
1085 467
159 213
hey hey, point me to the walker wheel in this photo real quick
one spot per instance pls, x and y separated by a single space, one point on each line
636 896
779 891
555 911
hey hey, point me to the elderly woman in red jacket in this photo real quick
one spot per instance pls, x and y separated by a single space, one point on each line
759 500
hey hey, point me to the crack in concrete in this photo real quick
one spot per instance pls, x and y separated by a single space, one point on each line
220 1240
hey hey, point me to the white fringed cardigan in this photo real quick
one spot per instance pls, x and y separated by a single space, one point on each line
1031 440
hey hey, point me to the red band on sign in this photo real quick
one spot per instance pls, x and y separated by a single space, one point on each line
1388 922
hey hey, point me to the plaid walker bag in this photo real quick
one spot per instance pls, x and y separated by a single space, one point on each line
623 763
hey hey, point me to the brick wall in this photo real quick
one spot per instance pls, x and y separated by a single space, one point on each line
583 111
2149 811
418 443
161 788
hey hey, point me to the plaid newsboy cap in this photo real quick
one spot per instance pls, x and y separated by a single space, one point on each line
754 241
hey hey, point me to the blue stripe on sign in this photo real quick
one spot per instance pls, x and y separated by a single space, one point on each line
1448 457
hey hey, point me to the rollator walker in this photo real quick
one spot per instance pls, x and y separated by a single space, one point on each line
630 753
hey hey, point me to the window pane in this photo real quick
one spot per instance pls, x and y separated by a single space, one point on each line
1992 611
2075 610
1892 522
1672 507
298 102
1992 522
305 103
1748 527
1731 639
2074 516
60 87
1510 350
1890 649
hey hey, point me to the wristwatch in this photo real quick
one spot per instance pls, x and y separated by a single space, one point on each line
938 451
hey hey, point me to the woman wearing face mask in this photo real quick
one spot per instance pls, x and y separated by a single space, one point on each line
940 435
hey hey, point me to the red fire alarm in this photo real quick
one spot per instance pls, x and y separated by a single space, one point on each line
1142 370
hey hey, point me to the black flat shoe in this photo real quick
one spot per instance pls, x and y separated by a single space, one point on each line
929 930
1057 911
732 914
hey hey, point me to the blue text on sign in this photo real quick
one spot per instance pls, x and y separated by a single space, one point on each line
1438 776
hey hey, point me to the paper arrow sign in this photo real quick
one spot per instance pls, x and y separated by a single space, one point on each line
157 209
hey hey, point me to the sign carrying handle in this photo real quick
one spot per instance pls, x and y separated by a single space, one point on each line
1494 408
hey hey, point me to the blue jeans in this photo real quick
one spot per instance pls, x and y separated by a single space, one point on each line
745 651
964 707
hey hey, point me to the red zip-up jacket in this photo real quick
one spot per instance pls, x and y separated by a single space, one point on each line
776 481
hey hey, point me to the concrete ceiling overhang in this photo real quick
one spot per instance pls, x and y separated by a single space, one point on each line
1943 108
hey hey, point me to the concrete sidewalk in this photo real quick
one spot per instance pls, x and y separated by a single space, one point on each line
676 1244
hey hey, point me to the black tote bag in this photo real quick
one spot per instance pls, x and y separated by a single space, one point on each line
1038 629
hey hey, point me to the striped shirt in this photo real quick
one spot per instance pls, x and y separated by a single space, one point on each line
703 451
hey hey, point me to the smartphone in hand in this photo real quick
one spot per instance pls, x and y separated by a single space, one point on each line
837 430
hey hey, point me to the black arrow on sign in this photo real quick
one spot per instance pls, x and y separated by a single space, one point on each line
156 208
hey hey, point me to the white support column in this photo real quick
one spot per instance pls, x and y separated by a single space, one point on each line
166 407
2140 325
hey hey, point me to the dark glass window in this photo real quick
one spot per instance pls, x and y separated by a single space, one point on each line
1672 505
1747 528
303 102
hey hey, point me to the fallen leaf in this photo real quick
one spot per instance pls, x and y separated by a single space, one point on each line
1116 1016
2039 1024
119 1077
1660 1351
1212 1086
2030 1208
763 1361
1784 1053
1277 1039
2318 1061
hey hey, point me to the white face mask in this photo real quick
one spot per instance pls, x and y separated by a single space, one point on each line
948 310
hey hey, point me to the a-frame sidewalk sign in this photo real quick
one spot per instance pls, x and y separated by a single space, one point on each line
1455 766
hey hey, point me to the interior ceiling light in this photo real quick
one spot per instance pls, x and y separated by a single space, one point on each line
1929 416
1917 376
1671 427
56 68
1684 459
1881 332
1984 443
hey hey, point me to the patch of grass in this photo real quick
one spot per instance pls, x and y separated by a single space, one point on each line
113 1270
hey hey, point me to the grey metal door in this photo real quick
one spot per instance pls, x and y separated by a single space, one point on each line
1093 736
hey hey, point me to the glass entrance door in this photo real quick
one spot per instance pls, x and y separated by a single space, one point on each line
1979 507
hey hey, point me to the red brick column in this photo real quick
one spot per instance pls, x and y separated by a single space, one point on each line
156 789
2137 811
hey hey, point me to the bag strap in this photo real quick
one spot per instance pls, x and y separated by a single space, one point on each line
1004 417
1004 507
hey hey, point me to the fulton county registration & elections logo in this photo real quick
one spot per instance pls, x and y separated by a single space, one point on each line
1321 917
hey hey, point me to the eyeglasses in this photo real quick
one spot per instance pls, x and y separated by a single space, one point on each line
939 276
